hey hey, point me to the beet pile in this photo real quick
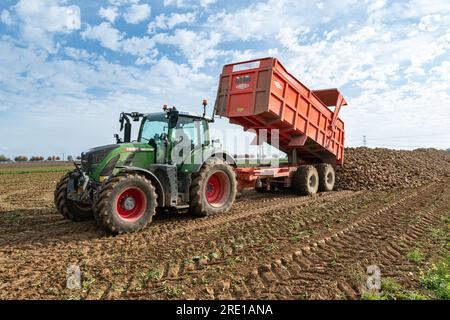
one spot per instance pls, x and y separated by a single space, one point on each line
381 169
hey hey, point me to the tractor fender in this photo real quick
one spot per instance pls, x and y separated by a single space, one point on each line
152 177
216 154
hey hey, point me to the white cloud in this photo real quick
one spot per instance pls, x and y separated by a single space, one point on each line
137 13
5 17
41 18
207 3
176 3
111 38
108 36
429 22
419 8
263 20
143 47
122 2
48 15
189 3
165 22
79 54
109 13
198 48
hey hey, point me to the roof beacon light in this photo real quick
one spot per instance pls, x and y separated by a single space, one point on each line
204 103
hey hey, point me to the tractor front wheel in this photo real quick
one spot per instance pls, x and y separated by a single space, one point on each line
213 189
125 203
68 208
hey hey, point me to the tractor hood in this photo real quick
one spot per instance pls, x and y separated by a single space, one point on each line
101 162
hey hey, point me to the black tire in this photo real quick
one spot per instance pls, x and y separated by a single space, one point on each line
327 176
69 208
261 190
97 217
125 203
306 180
202 189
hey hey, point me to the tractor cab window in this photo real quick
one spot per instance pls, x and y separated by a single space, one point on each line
154 128
187 132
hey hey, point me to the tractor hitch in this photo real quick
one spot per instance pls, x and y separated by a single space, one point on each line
78 187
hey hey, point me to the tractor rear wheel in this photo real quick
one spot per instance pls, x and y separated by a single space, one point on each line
326 176
213 189
125 203
306 180
68 208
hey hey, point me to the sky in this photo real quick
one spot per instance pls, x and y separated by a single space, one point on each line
68 68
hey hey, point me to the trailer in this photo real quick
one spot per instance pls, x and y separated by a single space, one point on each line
261 95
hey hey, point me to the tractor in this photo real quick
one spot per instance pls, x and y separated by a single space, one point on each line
173 165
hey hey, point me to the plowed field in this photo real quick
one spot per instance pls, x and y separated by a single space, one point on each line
275 245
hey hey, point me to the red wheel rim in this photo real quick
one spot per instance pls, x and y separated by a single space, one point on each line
131 203
217 189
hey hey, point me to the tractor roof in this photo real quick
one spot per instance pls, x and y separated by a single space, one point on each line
181 113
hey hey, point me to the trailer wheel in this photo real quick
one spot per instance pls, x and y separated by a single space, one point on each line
69 208
327 176
126 203
213 189
306 180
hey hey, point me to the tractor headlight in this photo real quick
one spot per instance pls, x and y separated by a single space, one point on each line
96 155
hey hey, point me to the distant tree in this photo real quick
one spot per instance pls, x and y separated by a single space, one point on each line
69 158
36 158
78 157
20 159
57 158
3 158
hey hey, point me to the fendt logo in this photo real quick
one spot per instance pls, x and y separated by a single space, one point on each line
243 82
242 86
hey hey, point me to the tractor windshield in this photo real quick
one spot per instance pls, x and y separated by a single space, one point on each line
153 127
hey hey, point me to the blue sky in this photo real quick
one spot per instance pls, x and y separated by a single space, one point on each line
68 68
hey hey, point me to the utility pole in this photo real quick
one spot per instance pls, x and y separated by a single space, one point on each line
364 141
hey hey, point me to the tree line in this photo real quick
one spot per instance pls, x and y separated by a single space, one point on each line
4 158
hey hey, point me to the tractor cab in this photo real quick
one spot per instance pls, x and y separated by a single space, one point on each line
174 135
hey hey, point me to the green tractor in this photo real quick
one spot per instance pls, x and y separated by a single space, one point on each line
172 165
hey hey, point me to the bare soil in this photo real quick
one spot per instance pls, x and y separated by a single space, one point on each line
269 246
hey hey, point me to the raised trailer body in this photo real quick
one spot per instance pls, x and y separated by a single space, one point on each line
262 95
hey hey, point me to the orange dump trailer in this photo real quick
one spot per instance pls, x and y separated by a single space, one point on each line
262 95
